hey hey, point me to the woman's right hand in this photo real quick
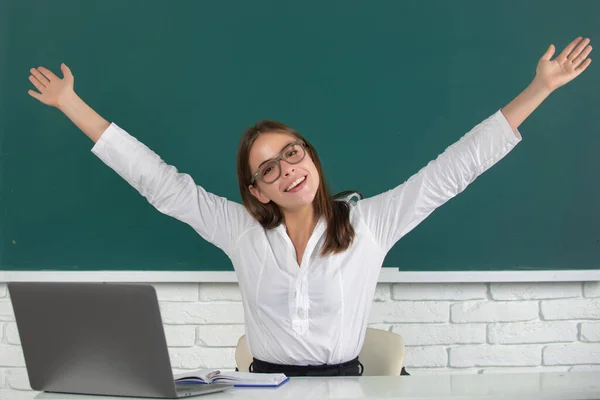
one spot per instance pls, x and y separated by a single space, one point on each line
52 89
59 93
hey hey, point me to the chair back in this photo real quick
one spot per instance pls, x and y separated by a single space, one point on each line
383 353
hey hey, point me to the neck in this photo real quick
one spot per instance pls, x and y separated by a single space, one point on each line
300 223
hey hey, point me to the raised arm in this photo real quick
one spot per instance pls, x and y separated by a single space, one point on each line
549 76
60 93
393 214
215 218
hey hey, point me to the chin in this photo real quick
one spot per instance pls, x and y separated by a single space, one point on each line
304 200
308 198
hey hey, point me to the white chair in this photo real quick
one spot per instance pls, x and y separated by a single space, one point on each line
242 355
383 353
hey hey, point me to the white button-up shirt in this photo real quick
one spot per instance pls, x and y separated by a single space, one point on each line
316 312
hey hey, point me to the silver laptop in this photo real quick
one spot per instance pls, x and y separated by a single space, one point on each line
96 338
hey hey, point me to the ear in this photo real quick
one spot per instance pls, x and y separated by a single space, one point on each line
258 194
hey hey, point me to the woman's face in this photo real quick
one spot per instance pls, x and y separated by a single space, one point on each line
268 146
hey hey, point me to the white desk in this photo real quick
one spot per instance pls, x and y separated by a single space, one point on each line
555 385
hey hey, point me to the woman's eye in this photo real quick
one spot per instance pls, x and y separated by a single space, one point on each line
291 153
266 171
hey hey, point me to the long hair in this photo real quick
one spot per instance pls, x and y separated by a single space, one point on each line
340 232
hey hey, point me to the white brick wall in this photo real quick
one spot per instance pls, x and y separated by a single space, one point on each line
532 332
572 353
16 378
591 289
590 331
534 291
426 356
11 333
494 311
448 328
219 292
571 309
177 292
410 311
436 334
180 335
6 312
438 291
11 356
219 335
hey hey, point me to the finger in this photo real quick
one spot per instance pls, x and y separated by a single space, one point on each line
35 94
583 66
66 71
563 55
47 73
37 84
582 56
549 53
41 78
578 49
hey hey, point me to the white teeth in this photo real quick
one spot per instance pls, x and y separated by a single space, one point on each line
295 183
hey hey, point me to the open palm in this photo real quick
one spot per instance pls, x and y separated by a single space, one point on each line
571 62
51 88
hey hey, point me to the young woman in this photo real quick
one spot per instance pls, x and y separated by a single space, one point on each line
307 264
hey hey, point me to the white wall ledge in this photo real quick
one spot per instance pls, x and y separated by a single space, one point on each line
387 275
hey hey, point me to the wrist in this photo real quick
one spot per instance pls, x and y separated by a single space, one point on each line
67 101
539 87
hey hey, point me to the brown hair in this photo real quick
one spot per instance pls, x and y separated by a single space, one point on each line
340 232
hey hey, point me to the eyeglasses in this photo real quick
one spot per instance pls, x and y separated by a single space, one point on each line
270 170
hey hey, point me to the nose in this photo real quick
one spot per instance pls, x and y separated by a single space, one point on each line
287 168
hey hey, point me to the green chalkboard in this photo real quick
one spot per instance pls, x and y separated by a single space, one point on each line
379 87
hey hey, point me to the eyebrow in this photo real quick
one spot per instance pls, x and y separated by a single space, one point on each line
270 159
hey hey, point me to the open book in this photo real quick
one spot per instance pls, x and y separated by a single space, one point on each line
230 377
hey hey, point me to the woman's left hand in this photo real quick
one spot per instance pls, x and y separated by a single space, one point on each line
566 67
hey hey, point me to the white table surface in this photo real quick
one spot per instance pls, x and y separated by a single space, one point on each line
551 385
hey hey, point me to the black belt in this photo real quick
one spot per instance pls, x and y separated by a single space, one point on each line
348 368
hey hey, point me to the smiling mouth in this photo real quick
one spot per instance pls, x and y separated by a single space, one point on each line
296 183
